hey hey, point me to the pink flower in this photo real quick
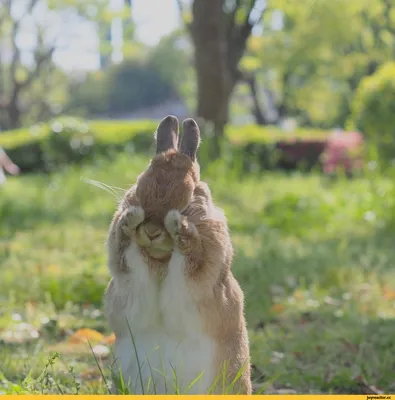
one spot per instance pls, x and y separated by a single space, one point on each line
343 151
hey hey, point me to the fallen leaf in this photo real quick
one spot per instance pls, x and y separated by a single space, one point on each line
54 269
109 340
277 308
351 346
388 293
85 335
367 389
298 294
298 354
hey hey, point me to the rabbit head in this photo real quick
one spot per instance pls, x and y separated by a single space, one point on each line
167 184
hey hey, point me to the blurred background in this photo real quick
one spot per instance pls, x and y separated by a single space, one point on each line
296 103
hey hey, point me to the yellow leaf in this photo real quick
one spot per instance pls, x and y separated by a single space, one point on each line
109 339
389 293
54 269
85 335
278 308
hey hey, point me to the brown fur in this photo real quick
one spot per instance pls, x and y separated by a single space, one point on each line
178 208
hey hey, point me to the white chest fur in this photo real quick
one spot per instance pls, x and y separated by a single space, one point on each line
170 348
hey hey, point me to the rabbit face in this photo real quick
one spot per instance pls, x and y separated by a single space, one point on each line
152 236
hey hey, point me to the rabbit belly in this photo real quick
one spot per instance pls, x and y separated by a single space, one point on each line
172 347
166 365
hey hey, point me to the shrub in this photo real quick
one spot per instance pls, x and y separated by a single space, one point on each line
66 140
134 84
373 110
69 140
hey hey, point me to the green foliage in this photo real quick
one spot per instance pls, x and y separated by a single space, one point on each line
135 84
68 140
36 90
170 59
271 134
313 55
89 97
373 110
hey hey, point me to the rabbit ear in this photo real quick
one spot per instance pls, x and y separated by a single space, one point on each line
190 138
167 134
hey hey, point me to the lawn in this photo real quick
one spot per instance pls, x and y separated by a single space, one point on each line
314 258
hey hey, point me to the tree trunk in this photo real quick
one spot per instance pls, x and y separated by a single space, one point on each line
213 82
14 114
219 40
259 116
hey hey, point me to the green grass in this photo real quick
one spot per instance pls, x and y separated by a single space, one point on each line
314 258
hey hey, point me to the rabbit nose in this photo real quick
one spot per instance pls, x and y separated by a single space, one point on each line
152 234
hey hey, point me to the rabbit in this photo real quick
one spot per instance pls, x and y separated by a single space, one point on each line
175 307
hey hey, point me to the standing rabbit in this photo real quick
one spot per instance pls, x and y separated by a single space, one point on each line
173 303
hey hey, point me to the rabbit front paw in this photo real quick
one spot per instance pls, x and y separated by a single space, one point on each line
184 233
130 219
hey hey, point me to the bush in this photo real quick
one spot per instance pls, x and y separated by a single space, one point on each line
46 147
70 140
373 110
133 85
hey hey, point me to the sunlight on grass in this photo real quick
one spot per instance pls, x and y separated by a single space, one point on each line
314 258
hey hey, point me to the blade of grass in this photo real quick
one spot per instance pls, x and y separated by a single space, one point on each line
193 382
152 376
137 356
100 369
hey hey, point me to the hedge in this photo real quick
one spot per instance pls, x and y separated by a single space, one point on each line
63 140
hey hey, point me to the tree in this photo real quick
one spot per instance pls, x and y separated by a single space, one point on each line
142 81
299 69
219 31
171 60
29 65
135 84
373 110
311 61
